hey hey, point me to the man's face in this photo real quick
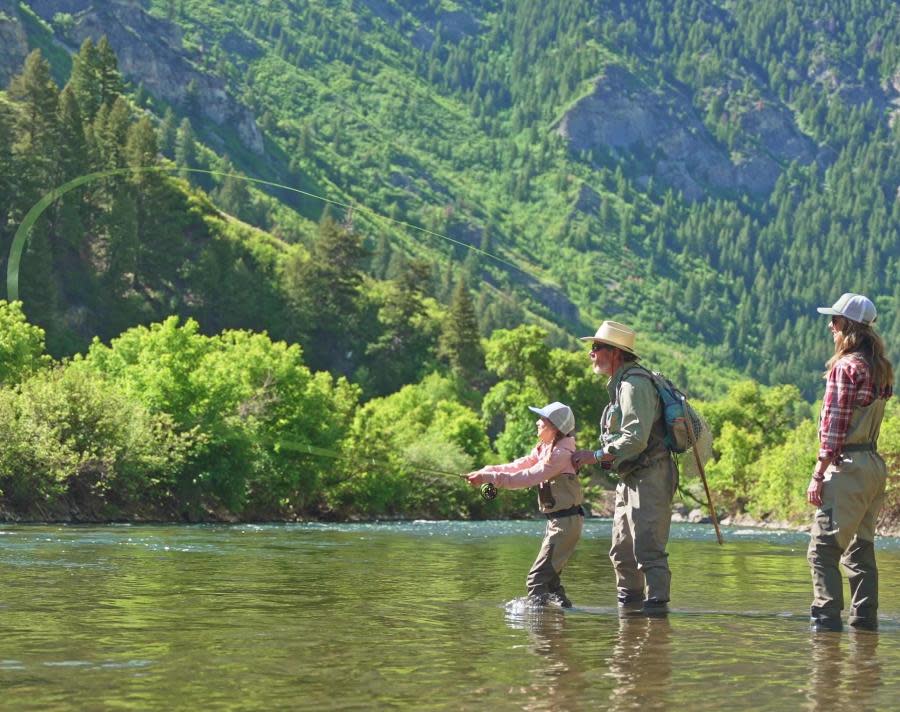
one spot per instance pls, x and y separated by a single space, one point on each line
601 358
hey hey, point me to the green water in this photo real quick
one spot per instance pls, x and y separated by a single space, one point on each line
412 616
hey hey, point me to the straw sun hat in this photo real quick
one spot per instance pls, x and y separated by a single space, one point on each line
615 334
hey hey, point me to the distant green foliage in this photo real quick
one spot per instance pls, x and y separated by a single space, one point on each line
748 423
21 345
238 395
69 433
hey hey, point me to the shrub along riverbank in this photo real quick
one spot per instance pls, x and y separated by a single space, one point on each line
167 424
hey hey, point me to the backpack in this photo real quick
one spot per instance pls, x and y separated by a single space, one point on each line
678 414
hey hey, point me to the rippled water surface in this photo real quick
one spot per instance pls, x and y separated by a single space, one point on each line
412 615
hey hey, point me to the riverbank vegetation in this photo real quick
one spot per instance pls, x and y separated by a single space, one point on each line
165 423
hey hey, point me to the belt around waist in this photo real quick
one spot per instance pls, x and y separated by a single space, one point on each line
859 447
565 512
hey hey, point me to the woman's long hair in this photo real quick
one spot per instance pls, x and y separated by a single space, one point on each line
858 338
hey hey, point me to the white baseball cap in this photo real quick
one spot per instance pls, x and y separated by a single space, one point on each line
559 414
854 307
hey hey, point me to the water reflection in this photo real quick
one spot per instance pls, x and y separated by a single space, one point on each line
641 663
559 681
845 671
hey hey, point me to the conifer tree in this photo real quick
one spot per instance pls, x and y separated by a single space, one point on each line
73 153
85 80
324 290
233 196
111 132
36 129
110 80
168 129
73 162
460 342
185 147
7 178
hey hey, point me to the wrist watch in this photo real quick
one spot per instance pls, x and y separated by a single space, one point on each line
604 464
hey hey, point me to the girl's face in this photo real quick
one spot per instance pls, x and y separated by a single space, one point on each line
546 430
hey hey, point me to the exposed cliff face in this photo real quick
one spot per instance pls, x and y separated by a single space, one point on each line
150 52
13 42
662 132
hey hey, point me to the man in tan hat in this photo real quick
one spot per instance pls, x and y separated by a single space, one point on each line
632 437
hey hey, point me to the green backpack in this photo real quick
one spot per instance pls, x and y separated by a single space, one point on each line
677 413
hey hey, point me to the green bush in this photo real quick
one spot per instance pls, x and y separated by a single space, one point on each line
68 431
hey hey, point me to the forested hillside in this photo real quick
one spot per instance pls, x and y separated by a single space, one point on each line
709 171
421 204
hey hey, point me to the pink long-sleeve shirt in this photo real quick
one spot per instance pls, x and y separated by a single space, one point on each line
543 463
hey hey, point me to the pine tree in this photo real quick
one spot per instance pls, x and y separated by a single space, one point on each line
111 133
400 353
460 342
73 162
185 147
110 80
168 129
36 129
324 291
85 80
73 154
233 196
7 178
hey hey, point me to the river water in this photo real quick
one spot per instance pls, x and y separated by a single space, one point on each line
374 616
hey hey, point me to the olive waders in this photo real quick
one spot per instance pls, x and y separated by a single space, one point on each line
560 501
643 509
843 530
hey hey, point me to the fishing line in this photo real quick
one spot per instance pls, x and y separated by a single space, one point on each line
488 489
22 233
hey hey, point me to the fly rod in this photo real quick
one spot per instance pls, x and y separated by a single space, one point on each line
488 490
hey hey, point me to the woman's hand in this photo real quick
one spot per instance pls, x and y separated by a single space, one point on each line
814 491
477 478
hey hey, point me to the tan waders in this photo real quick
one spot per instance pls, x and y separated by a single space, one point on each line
640 533
633 430
560 538
560 501
843 529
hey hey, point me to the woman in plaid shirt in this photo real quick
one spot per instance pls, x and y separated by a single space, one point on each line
847 485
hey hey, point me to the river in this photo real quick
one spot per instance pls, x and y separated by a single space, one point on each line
412 615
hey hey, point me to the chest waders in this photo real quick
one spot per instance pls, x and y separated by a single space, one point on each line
843 529
560 501
643 509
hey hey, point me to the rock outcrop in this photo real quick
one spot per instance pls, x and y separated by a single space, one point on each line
659 133
151 53
13 42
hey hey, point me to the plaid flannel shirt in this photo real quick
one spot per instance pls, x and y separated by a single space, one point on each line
849 385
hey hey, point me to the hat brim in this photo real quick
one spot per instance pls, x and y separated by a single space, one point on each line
828 310
608 343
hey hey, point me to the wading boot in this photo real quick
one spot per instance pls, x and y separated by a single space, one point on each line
558 599
863 622
652 607
825 624
630 604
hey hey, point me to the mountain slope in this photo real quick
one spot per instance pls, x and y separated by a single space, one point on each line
708 171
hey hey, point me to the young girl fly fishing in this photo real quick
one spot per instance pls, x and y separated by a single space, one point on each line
548 465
